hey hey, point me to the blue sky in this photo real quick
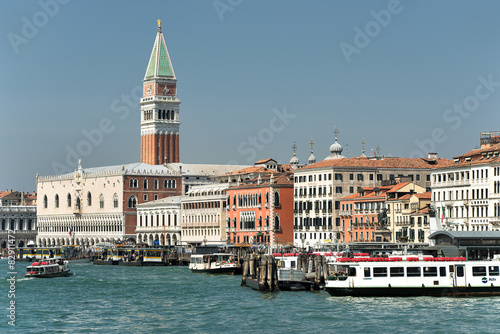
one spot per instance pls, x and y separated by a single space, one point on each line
253 77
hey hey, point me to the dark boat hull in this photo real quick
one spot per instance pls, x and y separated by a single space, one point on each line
415 291
60 274
230 271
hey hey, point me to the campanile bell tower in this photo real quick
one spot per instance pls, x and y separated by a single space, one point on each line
159 108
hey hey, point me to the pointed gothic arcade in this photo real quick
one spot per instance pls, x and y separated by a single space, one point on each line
160 108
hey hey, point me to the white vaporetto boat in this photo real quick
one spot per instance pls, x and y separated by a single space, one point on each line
215 263
415 276
48 268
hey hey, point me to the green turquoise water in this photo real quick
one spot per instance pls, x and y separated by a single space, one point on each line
116 299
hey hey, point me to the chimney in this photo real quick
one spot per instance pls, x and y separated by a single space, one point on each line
432 155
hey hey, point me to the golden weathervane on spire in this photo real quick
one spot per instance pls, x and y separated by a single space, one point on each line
159 23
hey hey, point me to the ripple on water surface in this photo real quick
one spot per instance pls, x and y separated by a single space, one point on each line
113 299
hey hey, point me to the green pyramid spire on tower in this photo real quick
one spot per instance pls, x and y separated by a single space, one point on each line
159 63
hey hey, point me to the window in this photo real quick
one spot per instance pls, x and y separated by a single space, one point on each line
478 271
338 190
397 271
145 198
145 183
101 201
371 177
442 271
69 200
132 201
380 272
115 200
338 176
413 272
367 272
351 177
173 184
460 271
494 271
156 184
57 201
430 272
351 271
379 177
89 199
351 190
45 202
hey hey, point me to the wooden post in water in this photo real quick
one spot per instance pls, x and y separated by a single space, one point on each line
270 263
326 272
317 272
245 270
263 273
310 263
252 265
275 275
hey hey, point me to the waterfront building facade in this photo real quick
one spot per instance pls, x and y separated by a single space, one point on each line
12 197
203 218
93 205
319 187
409 217
260 210
361 212
466 192
158 222
18 223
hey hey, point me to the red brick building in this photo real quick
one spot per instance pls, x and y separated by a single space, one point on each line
260 210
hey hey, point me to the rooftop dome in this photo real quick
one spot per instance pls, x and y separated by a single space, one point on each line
335 149
294 160
312 159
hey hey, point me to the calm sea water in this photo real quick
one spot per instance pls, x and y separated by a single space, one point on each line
116 299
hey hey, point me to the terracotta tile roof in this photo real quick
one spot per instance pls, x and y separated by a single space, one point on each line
423 210
480 151
404 197
398 186
279 180
371 193
252 169
264 161
4 193
404 163
475 157
426 195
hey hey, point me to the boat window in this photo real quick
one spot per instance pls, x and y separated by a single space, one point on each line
452 268
397 271
413 272
478 271
460 271
430 271
442 271
380 272
368 272
494 271
352 271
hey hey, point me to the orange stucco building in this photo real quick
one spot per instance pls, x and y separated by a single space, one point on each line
260 210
